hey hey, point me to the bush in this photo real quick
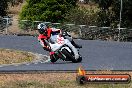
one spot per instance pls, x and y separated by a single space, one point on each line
3 7
46 10
83 16
25 25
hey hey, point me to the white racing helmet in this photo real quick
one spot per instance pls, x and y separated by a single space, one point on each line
41 28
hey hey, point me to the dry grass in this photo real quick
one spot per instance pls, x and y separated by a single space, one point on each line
34 80
53 80
8 56
41 77
91 5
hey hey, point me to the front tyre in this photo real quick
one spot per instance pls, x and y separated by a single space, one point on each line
53 58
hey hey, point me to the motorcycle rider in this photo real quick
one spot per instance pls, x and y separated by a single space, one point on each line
45 35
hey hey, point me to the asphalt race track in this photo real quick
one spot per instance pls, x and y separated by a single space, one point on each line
97 55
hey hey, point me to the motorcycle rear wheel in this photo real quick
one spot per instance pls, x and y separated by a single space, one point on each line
79 59
71 57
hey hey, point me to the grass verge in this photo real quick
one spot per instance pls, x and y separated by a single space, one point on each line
8 56
51 80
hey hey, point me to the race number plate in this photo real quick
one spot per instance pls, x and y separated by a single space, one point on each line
60 40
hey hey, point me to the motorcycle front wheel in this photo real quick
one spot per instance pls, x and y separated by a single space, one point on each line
53 58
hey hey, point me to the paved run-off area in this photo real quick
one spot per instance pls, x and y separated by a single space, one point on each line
97 55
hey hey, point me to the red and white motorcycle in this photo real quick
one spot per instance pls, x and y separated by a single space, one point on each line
63 49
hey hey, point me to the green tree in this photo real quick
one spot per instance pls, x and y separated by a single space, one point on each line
3 7
46 10
81 16
104 4
110 10
126 20
104 14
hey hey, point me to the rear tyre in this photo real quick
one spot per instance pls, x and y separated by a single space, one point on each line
70 57
79 59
